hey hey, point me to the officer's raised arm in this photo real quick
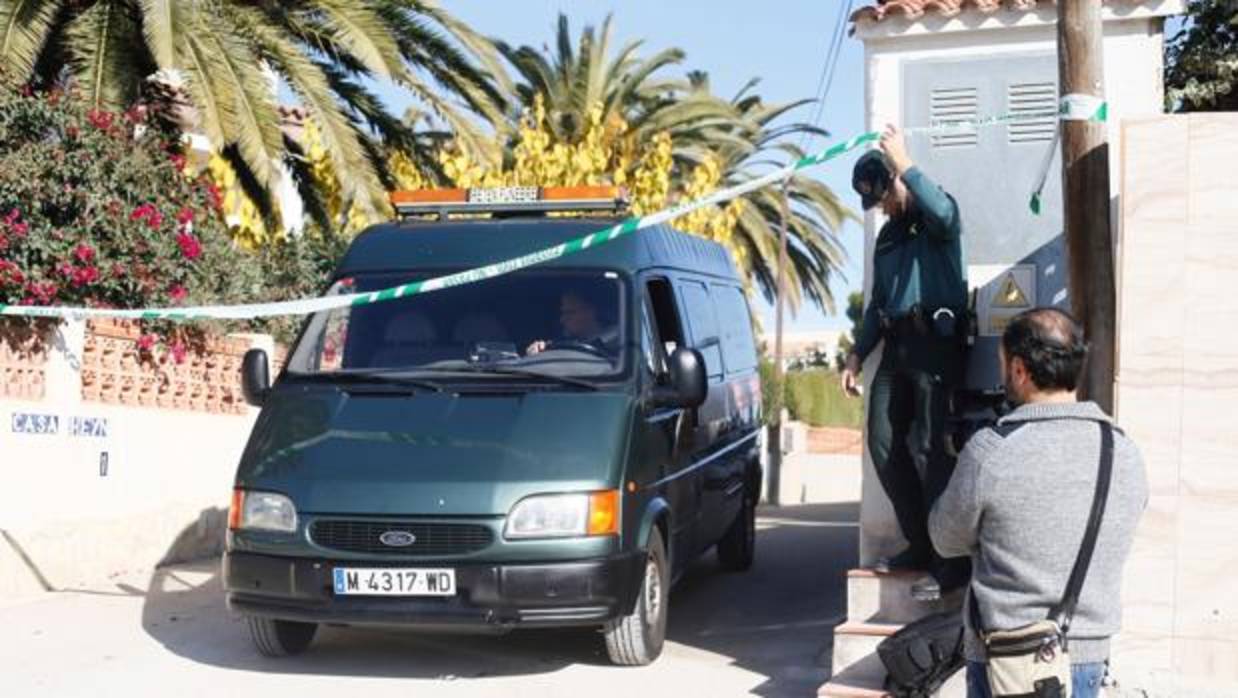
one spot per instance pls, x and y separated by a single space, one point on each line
941 213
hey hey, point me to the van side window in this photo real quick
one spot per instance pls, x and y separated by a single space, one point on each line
668 331
655 362
738 346
704 320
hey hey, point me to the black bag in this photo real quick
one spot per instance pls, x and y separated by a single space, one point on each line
922 655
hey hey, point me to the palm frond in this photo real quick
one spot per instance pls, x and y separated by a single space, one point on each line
25 26
314 83
161 20
360 31
245 98
108 58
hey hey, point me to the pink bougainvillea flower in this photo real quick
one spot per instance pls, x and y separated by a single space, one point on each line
147 342
10 274
141 212
43 293
190 246
65 269
12 217
184 216
178 351
178 161
84 253
154 220
83 276
20 229
177 293
216 196
100 119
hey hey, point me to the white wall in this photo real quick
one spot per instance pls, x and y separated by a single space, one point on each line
169 473
1177 387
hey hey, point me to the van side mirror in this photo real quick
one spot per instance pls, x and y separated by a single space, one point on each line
689 384
255 377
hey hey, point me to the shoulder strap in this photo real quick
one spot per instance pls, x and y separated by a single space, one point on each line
1004 430
1065 609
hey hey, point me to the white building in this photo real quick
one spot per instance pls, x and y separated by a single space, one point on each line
934 60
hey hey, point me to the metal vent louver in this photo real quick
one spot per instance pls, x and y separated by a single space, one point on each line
954 105
1032 98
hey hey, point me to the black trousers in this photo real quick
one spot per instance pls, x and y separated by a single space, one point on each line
908 407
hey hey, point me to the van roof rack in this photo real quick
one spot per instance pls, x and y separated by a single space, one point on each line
532 201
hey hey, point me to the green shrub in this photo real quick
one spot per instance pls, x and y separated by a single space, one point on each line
815 396
95 211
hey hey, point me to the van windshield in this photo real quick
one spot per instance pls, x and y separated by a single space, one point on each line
557 323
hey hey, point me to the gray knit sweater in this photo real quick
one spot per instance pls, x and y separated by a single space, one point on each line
1019 506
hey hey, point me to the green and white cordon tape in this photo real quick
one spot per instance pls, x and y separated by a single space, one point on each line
1073 107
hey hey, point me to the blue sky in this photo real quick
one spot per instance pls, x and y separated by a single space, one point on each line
733 41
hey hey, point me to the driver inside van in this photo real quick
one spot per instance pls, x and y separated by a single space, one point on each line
578 316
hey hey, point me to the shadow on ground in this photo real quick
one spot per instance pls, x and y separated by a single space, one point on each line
774 620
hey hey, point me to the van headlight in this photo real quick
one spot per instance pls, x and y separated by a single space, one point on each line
564 515
262 511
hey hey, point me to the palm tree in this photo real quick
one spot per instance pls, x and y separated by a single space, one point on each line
743 134
816 214
232 54
579 76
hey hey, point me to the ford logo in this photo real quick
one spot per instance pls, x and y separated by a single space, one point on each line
397 539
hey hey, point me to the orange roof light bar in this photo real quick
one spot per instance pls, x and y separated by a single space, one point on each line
509 201
429 196
584 193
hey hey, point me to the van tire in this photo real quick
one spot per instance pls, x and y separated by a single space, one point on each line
280 638
637 638
737 549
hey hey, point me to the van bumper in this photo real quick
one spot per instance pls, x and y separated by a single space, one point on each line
489 597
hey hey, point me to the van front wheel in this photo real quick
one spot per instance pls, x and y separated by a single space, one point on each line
637 638
280 638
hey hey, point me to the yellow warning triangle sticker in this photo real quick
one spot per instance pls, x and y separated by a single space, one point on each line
1010 295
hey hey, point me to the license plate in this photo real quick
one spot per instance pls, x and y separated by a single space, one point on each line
394 582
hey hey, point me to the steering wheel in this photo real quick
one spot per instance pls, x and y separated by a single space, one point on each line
577 345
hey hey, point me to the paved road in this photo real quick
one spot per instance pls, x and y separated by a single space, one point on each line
758 633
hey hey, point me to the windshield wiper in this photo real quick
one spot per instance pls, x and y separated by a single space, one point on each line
493 370
387 376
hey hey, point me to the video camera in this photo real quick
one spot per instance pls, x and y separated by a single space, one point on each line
970 411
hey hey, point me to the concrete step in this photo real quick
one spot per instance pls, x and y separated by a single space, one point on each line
885 597
857 682
862 682
855 648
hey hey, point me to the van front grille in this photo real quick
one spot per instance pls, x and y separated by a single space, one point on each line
363 536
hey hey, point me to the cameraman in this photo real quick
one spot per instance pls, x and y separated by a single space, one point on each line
1020 498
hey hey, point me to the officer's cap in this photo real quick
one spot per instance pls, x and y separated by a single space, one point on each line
871 178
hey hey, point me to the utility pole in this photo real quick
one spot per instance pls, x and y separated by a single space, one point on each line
1085 193
775 427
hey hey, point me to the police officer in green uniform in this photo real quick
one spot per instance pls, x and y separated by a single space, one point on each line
919 296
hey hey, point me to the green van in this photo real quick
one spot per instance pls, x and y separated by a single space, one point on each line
549 447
